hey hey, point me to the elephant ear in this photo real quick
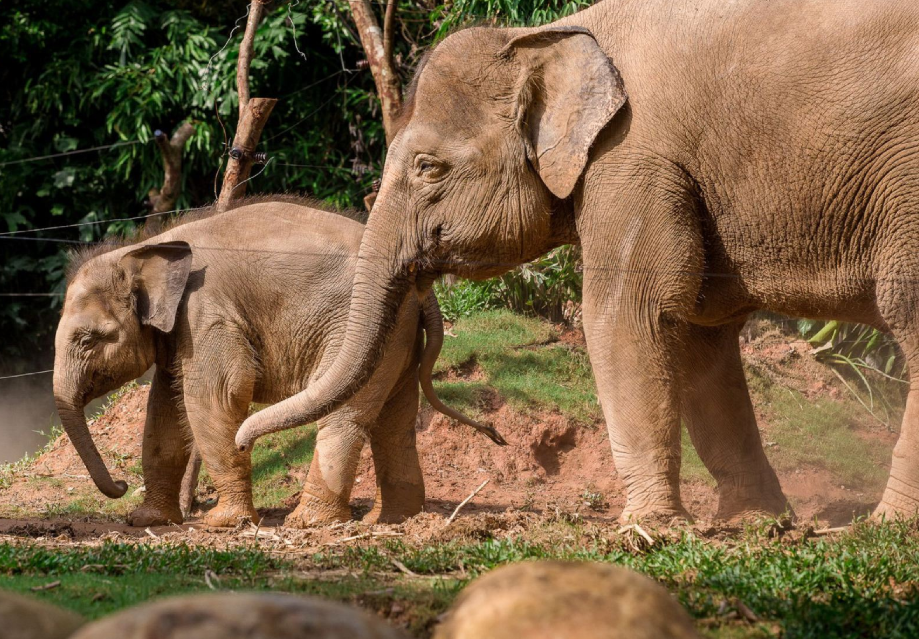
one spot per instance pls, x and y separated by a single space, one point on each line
158 275
569 91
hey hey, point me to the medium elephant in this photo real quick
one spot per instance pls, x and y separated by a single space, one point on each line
717 158
245 306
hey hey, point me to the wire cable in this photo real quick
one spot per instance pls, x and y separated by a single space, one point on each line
74 152
27 374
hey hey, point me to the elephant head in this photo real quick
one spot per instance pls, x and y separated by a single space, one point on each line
494 136
106 337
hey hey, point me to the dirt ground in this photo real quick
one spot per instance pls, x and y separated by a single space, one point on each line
552 465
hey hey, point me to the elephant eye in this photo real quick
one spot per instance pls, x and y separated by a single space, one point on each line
88 339
91 337
428 167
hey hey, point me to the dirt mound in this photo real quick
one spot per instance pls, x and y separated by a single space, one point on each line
551 461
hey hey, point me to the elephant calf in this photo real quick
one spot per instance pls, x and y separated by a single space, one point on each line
245 306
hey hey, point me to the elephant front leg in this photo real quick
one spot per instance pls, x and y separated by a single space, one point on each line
400 482
640 254
635 386
327 490
165 454
716 407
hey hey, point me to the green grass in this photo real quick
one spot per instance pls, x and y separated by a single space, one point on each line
522 363
819 432
860 584
273 458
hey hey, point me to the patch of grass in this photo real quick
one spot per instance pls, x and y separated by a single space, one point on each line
858 584
274 457
691 466
821 433
520 362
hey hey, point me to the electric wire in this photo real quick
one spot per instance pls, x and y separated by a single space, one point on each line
74 152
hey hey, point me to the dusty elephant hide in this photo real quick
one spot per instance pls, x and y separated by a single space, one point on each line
245 306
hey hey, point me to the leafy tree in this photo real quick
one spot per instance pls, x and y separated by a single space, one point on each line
88 73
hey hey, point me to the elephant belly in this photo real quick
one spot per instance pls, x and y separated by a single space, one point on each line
730 297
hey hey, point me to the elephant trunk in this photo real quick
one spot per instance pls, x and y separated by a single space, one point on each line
70 406
381 284
434 341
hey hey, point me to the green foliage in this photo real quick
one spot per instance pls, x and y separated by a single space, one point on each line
855 345
543 288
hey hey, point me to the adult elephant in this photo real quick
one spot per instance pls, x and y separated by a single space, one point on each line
766 157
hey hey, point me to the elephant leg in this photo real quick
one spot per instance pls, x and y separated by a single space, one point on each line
190 481
400 482
327 490
899 305
165 454
639 401
716 407
641 254
214 418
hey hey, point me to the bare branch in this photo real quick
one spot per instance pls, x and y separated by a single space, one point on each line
256 11
253 114
248 133
165 198
378 45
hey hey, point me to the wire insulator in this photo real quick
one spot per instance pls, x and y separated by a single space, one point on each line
363 65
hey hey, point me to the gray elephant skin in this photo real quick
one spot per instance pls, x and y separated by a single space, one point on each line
245 306
714 158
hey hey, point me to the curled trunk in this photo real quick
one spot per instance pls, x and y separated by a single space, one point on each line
381 284
74 422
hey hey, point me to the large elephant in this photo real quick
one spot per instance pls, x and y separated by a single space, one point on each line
766 156
245 306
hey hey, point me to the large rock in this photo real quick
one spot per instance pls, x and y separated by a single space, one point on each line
559 600
240 616
27 618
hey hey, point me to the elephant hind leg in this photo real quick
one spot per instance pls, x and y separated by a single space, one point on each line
899 305
327 490
400 482
716 407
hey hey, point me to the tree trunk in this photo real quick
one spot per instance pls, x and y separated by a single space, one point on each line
378 46
253 114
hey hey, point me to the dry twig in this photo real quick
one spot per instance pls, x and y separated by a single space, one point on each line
466 501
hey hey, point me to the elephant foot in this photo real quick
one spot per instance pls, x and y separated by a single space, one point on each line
230 516
378 515
658 517
150 515
895 505
736 505
313 513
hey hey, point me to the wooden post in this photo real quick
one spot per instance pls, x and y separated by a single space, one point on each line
378 46
253 114
164 199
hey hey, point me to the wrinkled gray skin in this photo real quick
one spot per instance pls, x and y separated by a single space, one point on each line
720 157
245 306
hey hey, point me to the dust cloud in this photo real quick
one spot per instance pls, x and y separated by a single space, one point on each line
27 415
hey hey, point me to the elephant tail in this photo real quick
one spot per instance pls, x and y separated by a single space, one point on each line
434 340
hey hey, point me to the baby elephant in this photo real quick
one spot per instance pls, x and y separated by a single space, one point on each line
245 306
